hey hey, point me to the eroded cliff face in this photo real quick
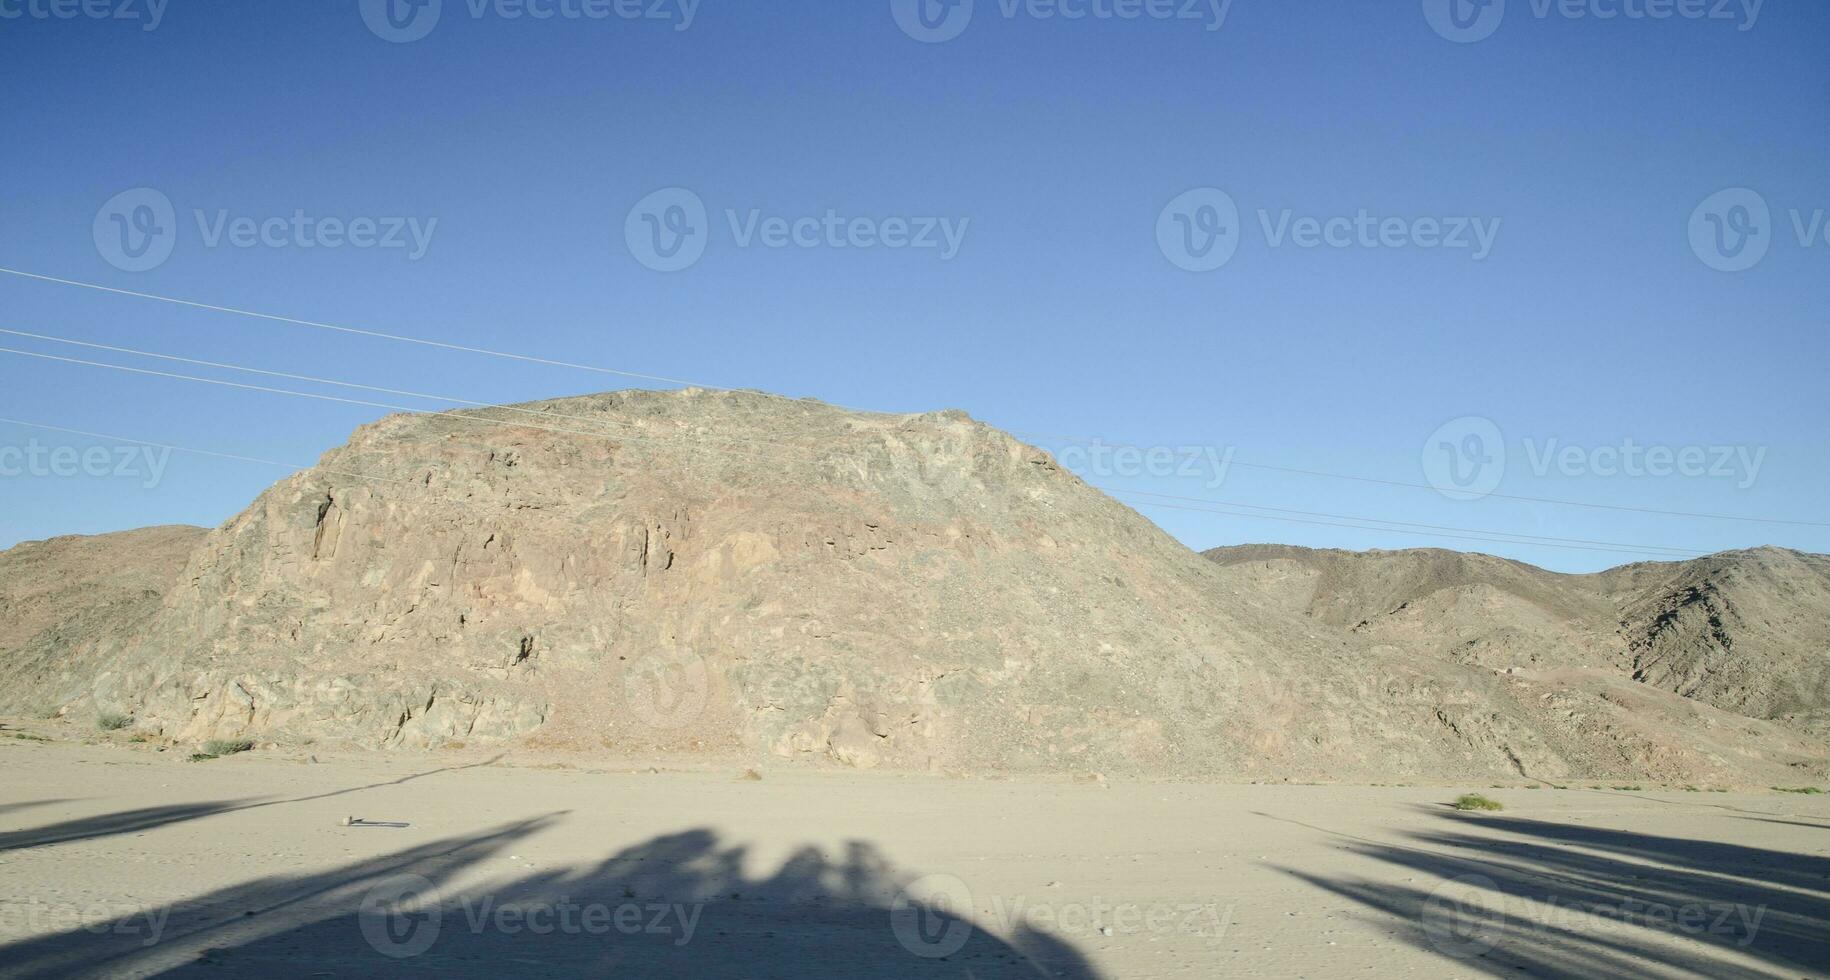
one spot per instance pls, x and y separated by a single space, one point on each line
1744 631
745 576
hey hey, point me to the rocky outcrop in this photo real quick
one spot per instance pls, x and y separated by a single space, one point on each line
742 576
1744 631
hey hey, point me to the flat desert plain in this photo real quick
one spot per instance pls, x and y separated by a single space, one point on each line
117 860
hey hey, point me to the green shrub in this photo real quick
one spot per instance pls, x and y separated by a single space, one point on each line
1807 790
220 747
109 721
1475 801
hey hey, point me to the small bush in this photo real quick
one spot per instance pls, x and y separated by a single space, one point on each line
1475 801
28 737
201 757
109 721
220 747
1628 789
1807 790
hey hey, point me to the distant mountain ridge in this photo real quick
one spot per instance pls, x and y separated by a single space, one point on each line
1746 631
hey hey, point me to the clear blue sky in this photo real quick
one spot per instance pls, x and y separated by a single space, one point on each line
1059 142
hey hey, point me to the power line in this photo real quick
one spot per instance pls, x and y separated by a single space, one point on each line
360 332
1531 538
1528 538
1698 515
1430 534
493 406
1343 522
1040 438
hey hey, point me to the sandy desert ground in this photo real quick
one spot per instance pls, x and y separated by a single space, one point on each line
117 860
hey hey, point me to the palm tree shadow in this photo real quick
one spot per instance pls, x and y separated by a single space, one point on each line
1556 899
149 818
679 905
111 824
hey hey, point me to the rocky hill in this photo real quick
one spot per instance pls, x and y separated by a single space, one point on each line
61 595
742 576
1745 631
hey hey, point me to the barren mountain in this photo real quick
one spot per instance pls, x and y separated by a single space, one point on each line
56 595
1745 631
738 575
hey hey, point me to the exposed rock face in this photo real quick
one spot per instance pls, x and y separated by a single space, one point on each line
1745 631
1748 631
740 575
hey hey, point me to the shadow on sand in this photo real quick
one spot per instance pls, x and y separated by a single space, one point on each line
1512 897
148 818
679 905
